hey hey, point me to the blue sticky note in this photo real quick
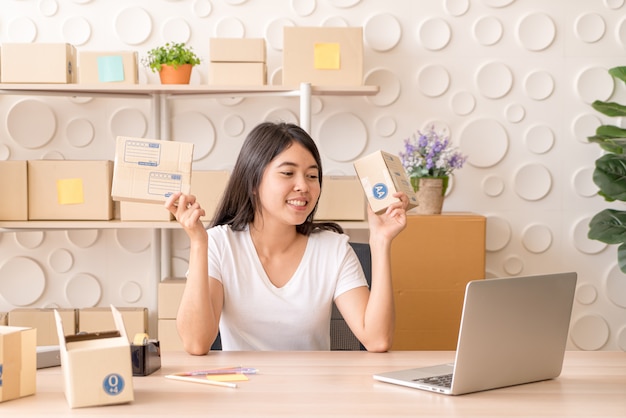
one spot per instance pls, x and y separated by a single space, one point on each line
110 68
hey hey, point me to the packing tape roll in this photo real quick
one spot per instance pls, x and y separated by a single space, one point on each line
140 339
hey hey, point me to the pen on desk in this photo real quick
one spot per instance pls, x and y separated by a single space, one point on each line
204 382
228 370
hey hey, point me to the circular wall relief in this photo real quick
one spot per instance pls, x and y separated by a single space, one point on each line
83 291
385 126
335 22
389 87
22 29
202 8
133 240
230 101
274 33
196 128
344 4
342 137
615 287
539 85
235 2
230 27
595 84
281 115
22 129
233 125
613 4
498 233
539 139
29 287
532 182
52 155
5 152
536 31
434 34
590 332
484 141
537 238
433 80
303 7
586 294
621 32
79 132
456 7
497 3
513 265
494 80
130 292
589 27
176 30
585 126
463 103
316 105
621 339
133 25
128 122
29 239
48 8
61 260
493 185
76 31
582 242
582 182
488 30
382 32
515 112
83 238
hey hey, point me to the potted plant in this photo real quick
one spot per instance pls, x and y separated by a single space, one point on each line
609 225
173 61
429 159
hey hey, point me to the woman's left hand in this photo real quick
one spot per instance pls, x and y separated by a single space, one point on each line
391 222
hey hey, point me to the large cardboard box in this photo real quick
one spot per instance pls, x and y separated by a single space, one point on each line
42 319
139 211
18 362
70 190
169 297
237 50
168 335
4 318
37 63
14 183
110 67
208 187
342 199
150 170
323 56
382 175
97 319
237 74
97 368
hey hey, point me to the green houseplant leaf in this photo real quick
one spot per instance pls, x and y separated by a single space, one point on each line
610 176
171 53
609 108
608 226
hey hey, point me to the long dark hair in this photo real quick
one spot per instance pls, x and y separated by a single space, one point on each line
239 203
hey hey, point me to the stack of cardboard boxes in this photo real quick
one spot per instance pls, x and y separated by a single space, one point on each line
237 62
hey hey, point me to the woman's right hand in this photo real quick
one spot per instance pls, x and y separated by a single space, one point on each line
187 211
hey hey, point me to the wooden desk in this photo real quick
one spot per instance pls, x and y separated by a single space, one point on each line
340 384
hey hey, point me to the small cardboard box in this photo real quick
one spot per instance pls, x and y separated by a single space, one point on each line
150 170
97 367
169 297
208 187
237 74
14 183
37 63
139 211
70 190
18 362
43 320
342 199
168 335
323 56
382 175
4 318
111 67
237 50
96 319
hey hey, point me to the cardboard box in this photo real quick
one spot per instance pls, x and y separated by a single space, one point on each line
70 190
342 199
37 63
168 335
139 211
382 175
4 318
14 183
237 74
237 50
110 67
170 293
43 320
208 187
97 369
18 362
323 56
97 319
150 170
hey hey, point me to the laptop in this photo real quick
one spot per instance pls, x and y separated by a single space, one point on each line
513 331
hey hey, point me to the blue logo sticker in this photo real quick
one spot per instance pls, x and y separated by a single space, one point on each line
113 384
380 191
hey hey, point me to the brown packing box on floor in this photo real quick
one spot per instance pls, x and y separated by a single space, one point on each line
14 183
37 63
342 199
115 67
70 190
208 187
18 362
237 50
98 319
43 320
323 56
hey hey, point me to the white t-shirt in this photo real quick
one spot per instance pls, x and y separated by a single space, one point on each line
260 316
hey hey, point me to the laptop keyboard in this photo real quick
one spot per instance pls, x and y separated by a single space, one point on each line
444 381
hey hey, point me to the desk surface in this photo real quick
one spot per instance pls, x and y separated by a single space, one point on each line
340 384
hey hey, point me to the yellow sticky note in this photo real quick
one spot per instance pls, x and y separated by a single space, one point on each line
327 56
70 191
232 377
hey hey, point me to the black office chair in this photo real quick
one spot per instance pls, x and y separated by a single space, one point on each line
341 337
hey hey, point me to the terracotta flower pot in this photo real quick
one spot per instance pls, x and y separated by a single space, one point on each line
178 75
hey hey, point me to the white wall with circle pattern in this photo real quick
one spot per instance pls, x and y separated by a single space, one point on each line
512 80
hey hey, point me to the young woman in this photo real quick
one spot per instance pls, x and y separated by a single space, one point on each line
264 274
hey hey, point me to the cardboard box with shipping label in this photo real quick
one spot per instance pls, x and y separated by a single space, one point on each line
237 74
43 320
14 184
208 187
70 190
37 63
323 56
18 362
116 67
237 50
97 368
342 199
151 170
382 175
